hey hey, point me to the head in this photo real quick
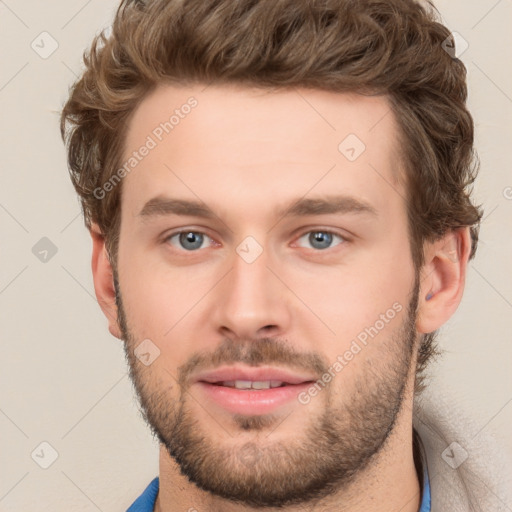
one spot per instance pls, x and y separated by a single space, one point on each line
258 120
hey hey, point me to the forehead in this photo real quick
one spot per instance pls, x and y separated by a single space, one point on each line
212 142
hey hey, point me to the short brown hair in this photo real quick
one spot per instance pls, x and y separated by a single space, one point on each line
389 47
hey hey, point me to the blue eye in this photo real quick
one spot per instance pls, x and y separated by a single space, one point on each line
320 239
189 240
194 240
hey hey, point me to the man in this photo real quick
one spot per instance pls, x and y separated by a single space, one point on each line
277 194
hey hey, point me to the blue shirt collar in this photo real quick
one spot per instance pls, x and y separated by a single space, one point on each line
425 500
146 501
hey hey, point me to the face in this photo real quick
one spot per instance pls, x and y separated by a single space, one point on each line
264 244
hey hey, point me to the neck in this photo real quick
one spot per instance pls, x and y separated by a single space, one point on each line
389 483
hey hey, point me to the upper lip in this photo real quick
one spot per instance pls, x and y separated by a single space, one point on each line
258 374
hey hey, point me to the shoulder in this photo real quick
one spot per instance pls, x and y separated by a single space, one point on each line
467 470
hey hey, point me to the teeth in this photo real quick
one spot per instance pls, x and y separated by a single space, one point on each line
261 385
243 384
248 384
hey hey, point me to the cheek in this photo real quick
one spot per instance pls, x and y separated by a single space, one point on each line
155 304
163 303
351 298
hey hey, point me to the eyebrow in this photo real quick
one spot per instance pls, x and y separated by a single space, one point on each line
160 206
331 204
167 206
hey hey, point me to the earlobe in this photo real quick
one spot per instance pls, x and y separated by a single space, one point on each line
442 279
104 280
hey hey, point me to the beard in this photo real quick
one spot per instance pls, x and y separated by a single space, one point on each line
332 449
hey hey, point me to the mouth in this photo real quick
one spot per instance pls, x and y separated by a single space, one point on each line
242 390
258 377
248 384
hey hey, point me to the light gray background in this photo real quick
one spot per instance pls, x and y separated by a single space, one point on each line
63 378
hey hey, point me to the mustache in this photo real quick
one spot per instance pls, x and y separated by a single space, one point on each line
253 352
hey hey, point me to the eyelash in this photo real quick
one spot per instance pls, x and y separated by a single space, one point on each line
343 238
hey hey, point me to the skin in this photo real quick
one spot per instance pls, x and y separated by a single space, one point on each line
249 154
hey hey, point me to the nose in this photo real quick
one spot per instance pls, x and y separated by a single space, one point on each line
250 301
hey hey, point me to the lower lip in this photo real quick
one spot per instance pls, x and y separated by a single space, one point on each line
260 401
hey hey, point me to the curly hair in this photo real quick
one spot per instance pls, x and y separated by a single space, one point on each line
376 47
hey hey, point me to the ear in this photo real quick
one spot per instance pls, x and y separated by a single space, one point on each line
104 280
443 277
